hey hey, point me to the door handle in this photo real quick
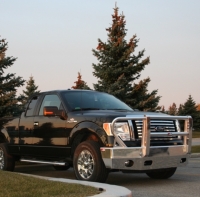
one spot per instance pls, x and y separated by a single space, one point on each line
36 123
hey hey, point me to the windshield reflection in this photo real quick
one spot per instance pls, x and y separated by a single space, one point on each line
91 100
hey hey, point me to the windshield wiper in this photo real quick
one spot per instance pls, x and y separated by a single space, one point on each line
121 110
89 108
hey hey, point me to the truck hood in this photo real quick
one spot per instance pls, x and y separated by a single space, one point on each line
119 113
102 116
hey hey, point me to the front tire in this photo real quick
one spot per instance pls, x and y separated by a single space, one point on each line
88 163
162 173
7 161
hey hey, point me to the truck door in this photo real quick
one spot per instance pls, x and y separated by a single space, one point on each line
26 128
49 133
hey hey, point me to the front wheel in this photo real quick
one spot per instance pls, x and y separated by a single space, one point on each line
7 161
88 164
162 173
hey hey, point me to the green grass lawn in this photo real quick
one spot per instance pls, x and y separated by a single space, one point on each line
196 149
196 134
13 184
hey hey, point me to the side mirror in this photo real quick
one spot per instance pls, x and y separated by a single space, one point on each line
53 111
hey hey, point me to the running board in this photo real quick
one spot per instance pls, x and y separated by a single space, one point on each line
45 162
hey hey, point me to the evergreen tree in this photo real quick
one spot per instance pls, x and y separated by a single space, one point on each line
8 84
172 109
163 109
80 84
190 108
197 121
180 109
118 67
31 89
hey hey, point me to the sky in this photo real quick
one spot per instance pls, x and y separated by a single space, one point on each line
53 41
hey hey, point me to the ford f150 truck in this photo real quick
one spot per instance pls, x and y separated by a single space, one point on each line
95 133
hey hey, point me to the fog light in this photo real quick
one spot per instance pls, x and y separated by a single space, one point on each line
129 163
183 160
148 163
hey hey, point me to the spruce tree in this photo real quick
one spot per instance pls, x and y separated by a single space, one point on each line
163 109
31 89
80 84
190 108
180 109
198 117
118 67
9 83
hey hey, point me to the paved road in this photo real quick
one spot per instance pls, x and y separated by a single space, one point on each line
195 141
185 182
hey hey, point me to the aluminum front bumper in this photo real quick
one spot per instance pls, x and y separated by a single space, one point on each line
132 158
148 157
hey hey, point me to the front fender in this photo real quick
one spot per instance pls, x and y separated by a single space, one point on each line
91 127
9 130
4 137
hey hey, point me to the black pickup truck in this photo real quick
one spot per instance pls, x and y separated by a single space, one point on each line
95 133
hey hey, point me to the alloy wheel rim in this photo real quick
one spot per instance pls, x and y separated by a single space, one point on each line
85 164
1 159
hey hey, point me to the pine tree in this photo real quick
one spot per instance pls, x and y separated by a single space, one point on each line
80 84
180 109
163 109
8 84
197 121
190 108
31 89
172 109
118 67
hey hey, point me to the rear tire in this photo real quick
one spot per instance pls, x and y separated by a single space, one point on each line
88 164
162 173
7 161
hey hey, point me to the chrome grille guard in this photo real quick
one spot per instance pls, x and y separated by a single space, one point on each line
146 133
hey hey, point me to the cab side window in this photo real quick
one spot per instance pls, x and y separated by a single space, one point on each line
31 106
50 100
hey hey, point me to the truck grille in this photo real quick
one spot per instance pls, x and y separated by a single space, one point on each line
157 126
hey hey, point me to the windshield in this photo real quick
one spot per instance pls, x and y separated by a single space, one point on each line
89 100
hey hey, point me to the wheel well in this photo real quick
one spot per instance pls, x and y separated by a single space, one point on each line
82 136
2 139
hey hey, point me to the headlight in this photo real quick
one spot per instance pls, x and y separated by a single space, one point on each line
122 130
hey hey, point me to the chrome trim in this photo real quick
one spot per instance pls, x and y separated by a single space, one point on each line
85 164
167 134
132 134
165 125
2 163
146 156
146 136
161 157
44 162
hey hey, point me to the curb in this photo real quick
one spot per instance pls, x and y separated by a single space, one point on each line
107 189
